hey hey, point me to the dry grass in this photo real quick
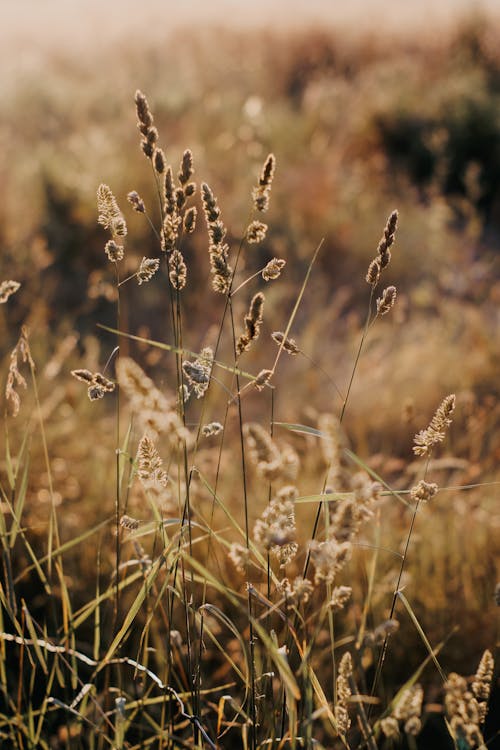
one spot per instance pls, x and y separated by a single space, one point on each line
233 569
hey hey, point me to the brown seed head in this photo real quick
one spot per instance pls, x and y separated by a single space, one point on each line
289 345
212 211
20 353
143 112
190 219
159 161
267 174
186 170
169 191
386 301
260 194
253 322
114 251
7 289
177 270
129 523
213 428
435 433
423 491
263 379
373 273
256 232
110 216
136 202
273 269
147 270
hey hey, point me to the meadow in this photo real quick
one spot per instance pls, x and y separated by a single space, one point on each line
249 464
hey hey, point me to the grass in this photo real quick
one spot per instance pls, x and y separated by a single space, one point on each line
139 612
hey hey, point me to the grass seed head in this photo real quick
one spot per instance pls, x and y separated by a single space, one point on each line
136 202
147 269
114 251
423 491
253 322
212 428
186 170
256 232
289 345
190 220
425 440
260 194
7 289
273 269
159 161
109 215
177 270
386 301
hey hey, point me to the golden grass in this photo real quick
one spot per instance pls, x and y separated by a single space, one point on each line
230 548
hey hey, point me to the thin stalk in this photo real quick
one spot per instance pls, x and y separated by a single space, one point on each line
252 712
358 355
383 653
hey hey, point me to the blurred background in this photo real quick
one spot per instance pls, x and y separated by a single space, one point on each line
368 106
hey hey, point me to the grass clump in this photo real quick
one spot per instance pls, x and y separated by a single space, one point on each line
225 610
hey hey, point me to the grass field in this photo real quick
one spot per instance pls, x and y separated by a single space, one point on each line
304 553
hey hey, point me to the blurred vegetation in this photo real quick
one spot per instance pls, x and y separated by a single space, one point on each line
359 125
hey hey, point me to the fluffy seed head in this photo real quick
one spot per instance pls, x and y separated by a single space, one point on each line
263 379
198 372
409 704
273 269
110 216
267 174
373 273
136 202
212 211
481 685
169 191
212 428
7 289
190 220
340 597
157 414
275 530
150 466
177 270
423 491
289 345
159 161
239 556
435 433
390 727
143 112
147 270
170 231
388 238
329 557
253 322
343 691
129 523
256 232
263 451
114 251
98 384
186 170
260 194
386 301
20 353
